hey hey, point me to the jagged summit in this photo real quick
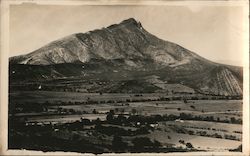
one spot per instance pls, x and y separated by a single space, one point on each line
127 22
131 21
128 48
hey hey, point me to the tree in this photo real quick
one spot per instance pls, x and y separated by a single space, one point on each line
110 116
97 122
133 111
112 112
94 111
185 100
233 120
218 119
85 121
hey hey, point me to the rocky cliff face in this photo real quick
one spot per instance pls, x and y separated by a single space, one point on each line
129 49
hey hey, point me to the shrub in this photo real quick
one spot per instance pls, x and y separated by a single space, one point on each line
189 145
181 141
193 107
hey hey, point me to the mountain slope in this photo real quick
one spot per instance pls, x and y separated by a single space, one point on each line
126 52
127 40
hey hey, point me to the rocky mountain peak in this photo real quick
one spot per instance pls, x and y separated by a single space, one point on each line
127 47
131 21
127 23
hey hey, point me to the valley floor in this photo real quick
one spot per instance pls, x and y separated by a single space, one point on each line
101 123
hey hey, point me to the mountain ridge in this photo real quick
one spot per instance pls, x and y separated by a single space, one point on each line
127 48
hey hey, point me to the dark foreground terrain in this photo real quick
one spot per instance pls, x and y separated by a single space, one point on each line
100 123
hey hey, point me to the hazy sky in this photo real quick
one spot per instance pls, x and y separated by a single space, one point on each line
214 32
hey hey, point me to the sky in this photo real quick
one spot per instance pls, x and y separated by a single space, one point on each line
213 32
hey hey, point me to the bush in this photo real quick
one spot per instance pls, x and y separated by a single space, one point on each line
189 145
133 111
110 116
94 111
193 107
181 141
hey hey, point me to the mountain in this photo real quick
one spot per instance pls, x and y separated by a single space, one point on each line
129 56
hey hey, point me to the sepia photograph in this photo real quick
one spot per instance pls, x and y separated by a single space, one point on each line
133 77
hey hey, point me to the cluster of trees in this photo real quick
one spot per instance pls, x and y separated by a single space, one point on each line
185 116
69 111
231 137
126 102
44 87
120 119
203 133
88 101
237 132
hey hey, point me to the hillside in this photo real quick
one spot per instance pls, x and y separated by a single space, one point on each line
126 57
